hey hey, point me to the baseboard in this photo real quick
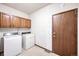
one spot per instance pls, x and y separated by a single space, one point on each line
44 48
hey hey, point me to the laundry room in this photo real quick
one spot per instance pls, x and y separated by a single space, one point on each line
39 29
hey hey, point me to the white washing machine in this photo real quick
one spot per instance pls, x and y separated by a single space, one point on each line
12 45
28 40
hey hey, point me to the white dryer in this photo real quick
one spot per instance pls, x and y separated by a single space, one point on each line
28 40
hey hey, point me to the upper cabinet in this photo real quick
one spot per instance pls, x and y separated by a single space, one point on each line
15 22
5 20
25 23
9 21
28 23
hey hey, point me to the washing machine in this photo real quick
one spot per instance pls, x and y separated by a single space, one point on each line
28 40
12 44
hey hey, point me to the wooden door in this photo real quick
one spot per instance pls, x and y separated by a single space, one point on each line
15 22
5 20
0 19
64 32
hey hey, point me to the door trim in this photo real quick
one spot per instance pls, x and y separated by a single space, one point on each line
65 11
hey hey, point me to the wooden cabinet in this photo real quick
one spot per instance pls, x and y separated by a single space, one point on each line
10 21
28 23
25 23
5 21
15 22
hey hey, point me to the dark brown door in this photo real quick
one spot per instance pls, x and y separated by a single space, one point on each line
0 19
64 33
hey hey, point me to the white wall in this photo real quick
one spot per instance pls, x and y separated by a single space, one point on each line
42 23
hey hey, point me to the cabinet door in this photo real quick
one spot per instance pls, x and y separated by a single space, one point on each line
5 20
15 22
23 23
28 23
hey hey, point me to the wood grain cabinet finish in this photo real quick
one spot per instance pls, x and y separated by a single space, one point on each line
15 22
25 23
28 23
5 20
22 23
10 21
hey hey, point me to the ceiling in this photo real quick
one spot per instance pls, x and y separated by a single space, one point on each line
26 7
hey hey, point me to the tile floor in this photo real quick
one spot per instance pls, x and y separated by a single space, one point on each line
36 51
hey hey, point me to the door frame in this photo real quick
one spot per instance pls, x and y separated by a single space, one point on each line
76 27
